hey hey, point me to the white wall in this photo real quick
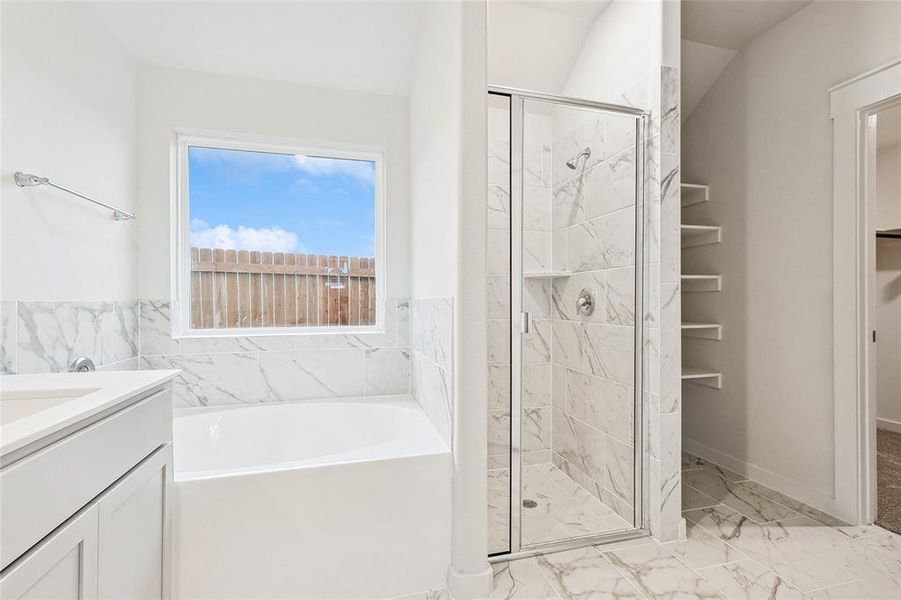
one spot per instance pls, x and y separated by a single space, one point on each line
888 288
532 48
888 186
762 139
554 52
435 152
68 104
170 99
701 66
621 51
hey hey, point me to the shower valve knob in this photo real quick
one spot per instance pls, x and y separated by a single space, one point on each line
585 303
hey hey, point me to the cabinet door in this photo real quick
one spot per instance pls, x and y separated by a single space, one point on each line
62 566
135 532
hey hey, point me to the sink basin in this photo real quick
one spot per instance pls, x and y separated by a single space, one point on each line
18 404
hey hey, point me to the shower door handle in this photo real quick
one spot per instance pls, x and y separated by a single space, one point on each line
526 318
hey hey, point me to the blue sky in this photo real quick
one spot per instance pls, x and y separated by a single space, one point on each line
281 202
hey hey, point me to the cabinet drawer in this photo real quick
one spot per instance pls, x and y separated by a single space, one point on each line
43 490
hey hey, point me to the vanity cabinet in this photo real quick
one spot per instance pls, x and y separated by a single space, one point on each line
62 566
135 531
111 481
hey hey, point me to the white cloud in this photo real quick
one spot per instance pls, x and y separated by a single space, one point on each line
361 170
273 239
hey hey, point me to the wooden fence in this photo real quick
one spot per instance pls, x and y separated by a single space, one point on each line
241 288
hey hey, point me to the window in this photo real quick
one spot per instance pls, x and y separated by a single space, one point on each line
277 238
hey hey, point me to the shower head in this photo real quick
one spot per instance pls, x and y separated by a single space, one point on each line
574 161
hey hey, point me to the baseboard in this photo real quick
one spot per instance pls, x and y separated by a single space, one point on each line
470 586
774 481
888 425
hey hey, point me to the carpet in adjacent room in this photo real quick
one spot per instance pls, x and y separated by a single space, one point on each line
888 479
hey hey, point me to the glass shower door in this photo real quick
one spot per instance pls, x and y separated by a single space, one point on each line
574 194
564 218
499 318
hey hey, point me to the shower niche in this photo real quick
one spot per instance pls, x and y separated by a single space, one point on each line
565 284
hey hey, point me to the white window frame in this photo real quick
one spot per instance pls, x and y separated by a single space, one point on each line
181 230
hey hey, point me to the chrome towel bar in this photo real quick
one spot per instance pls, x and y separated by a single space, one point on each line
28 180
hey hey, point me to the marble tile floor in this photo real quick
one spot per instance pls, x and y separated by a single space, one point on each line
743 541
563 509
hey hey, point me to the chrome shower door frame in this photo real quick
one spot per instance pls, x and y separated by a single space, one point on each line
518 98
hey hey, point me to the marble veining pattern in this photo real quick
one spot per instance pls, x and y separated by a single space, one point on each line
432 329
386 371
310 374
725 555
431 379
274 368
50 335
8 328
211 379
564 509
593 222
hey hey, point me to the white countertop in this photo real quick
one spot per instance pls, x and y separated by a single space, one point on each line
35 406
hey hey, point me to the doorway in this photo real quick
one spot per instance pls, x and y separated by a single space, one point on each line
886 299
855 107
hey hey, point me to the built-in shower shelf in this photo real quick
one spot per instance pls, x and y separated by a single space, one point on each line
694 193
701 235
546 274
702 283
707 331
705 377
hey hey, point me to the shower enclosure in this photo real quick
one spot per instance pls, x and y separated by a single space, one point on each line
565 217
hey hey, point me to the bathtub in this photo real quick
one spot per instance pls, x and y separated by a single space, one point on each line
314 499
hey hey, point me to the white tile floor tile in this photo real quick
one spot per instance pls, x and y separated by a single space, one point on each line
788 551
563 510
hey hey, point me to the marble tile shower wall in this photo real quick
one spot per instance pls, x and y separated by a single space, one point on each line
277 368
537 257
498 292
432 330
593 356
48 336
664 315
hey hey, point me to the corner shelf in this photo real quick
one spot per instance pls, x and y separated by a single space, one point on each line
706 377
706 331
692 236
702 283
701 235
694 193
546 274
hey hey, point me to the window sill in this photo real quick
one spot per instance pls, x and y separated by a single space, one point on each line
213 334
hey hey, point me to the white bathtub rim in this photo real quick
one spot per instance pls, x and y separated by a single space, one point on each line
435 444
402 400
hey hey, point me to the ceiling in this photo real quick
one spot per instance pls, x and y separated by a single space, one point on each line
713 31
733 23
702 64
585 9
354 45
888 127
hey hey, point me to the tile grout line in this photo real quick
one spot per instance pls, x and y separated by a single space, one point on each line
541 572
619 571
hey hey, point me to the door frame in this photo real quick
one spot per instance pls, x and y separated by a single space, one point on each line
852 106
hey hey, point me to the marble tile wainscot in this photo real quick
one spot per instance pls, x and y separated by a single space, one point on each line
46 337
431 326
252 369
